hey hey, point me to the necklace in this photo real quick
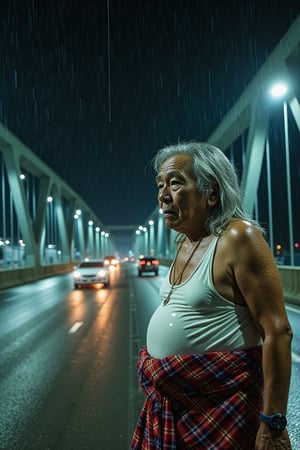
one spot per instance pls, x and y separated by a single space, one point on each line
179 276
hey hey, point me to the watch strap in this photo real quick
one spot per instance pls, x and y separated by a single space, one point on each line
276 421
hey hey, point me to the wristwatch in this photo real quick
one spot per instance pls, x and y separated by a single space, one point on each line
276 421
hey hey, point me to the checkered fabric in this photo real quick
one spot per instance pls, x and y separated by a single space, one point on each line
201 401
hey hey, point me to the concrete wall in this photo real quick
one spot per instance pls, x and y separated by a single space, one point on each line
11 278
290 279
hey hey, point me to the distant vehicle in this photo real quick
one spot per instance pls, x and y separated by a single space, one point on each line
148 264
111 261
91 272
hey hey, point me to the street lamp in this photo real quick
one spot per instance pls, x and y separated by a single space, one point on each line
151 236
50 231
160 234
90 239
279 90
138 244
79 240
146 239
97 245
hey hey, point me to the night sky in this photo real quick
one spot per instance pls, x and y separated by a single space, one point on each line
96 98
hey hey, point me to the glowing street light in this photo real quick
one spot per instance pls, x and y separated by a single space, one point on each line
278 90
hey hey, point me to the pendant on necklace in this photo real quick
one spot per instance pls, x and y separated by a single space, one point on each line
167 299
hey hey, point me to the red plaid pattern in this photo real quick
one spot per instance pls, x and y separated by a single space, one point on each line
201 401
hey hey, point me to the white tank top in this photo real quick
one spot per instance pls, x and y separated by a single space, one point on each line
197 319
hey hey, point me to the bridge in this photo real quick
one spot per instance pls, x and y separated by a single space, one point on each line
45 226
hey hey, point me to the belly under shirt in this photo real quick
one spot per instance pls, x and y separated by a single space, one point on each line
197 319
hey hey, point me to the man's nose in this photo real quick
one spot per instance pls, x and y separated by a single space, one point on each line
164 195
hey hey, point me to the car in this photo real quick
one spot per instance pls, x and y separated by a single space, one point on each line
111 261
148 264
91 272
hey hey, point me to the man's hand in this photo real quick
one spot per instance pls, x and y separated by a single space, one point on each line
269 439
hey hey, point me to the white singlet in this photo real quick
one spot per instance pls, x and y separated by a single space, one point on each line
197 319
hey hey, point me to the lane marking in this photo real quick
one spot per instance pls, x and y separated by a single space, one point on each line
9 299
295 310
75 327
295 357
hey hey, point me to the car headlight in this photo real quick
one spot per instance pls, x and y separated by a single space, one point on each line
101 273
76 274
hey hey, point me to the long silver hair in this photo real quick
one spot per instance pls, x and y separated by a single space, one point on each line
209 166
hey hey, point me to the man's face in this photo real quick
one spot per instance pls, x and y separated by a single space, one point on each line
185 209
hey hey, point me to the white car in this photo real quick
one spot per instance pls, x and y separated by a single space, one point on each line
91 272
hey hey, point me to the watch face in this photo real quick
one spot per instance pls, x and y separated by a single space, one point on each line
279 422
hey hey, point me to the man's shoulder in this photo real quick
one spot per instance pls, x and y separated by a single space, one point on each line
240 229
240 236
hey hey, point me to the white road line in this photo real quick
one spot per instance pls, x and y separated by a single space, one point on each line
295 357
290 308
9 299
75 327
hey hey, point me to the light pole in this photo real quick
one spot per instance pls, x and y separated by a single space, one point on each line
79 234
102 244
269 189
50 244
279 90
151 237
137 244
106 242
160 234
97 229
146 239
90 239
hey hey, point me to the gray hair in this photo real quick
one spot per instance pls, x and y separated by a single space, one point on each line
209 166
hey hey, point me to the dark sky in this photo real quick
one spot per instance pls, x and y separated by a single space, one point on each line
96 102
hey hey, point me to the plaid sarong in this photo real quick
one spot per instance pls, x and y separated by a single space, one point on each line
200 401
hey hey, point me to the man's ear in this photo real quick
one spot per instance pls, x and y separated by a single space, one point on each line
213 196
